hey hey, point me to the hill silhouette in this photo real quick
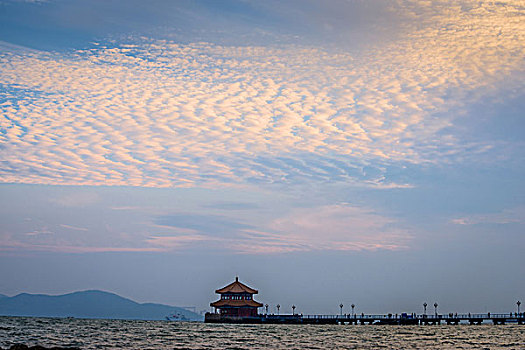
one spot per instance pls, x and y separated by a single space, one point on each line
89 304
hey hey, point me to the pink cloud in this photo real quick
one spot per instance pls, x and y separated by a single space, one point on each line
108 118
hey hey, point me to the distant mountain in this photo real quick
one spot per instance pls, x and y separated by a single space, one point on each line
89 304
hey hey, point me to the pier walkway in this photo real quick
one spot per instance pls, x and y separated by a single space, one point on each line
362 319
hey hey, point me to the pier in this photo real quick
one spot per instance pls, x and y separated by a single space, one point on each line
362 319
237 305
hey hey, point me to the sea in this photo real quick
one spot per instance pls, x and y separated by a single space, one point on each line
120 334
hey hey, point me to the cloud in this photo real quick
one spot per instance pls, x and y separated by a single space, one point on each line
507 216
332 227
43 231
276 230
126 207
341 227
6 246
79 199
231 206
156 113
174 242
45 243
212 225
74 227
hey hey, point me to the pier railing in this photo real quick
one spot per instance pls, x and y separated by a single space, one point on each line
488 315
406 318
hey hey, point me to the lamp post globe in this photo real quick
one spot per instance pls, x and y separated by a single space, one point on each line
293 309
278 307
518 303
436 308
341 307
425 308
352 306
266 308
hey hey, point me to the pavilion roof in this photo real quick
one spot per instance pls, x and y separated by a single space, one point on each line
236 287
236 303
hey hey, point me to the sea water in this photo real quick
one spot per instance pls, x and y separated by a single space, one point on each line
119 334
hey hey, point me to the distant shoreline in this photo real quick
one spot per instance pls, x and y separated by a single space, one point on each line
91 304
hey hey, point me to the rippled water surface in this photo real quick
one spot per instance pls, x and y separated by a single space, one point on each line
107 334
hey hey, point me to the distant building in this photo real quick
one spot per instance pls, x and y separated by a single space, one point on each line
236 300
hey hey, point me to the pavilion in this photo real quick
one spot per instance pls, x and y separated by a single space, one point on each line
236 300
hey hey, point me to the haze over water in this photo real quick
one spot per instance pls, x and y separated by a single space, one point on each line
113 334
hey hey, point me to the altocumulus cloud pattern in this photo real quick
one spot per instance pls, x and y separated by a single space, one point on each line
139 111
146 112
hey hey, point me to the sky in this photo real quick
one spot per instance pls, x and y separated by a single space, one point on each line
365 152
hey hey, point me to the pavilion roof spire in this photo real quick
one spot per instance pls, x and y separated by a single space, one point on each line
236 287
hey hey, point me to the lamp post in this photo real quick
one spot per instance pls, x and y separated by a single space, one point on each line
278 307
352 306
341 307
293 309
425 308
436 308
518 303
266 307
